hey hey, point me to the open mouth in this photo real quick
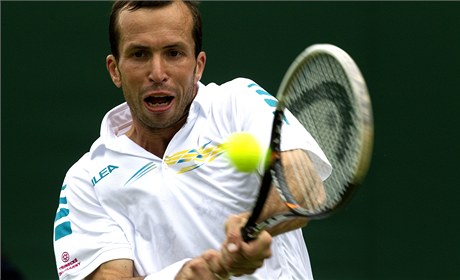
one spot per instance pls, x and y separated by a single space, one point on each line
158 101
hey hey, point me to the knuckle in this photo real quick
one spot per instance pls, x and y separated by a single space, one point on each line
197 265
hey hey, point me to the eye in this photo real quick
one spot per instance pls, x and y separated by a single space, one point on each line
174 53
139 54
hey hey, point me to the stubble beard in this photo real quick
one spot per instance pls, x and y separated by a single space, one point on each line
177 120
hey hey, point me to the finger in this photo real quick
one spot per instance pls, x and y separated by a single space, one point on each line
249 257
259 248
213 259
241 258
233 230
236 222
195 269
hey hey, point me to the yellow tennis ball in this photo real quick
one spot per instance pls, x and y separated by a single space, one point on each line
244 151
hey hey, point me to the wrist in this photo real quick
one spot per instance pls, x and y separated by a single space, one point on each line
168 273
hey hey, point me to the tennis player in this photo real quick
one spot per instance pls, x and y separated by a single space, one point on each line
155 197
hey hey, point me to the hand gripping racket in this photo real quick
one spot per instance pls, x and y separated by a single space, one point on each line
326 92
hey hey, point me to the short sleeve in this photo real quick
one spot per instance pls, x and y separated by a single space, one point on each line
84 235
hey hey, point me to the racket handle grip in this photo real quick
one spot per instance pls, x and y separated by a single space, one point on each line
249 233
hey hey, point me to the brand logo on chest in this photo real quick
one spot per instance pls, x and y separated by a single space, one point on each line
103 173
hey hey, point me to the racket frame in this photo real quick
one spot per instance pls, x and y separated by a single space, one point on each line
274 175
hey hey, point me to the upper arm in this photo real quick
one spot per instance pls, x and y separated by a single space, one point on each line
114 269
85 235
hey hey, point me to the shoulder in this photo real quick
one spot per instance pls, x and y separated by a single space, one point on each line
80 169
83 166
243 86
239 90
240 83
249 90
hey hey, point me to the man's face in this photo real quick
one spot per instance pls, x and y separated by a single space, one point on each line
157 68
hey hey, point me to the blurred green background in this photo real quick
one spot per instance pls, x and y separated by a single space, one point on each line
402 223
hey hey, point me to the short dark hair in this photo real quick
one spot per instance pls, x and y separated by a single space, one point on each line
118 6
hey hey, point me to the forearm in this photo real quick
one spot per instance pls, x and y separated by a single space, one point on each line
274 205
308 191
123 269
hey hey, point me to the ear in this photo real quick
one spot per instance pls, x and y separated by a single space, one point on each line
112 67
200 64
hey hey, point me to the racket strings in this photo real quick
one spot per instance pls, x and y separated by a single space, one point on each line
333 71
318 97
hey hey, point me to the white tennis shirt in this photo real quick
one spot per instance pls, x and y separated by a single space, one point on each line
121 202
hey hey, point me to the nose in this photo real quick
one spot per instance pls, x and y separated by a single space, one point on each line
157 72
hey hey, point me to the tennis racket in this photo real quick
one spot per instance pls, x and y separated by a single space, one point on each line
325 90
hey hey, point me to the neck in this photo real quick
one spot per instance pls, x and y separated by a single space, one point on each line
154 140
